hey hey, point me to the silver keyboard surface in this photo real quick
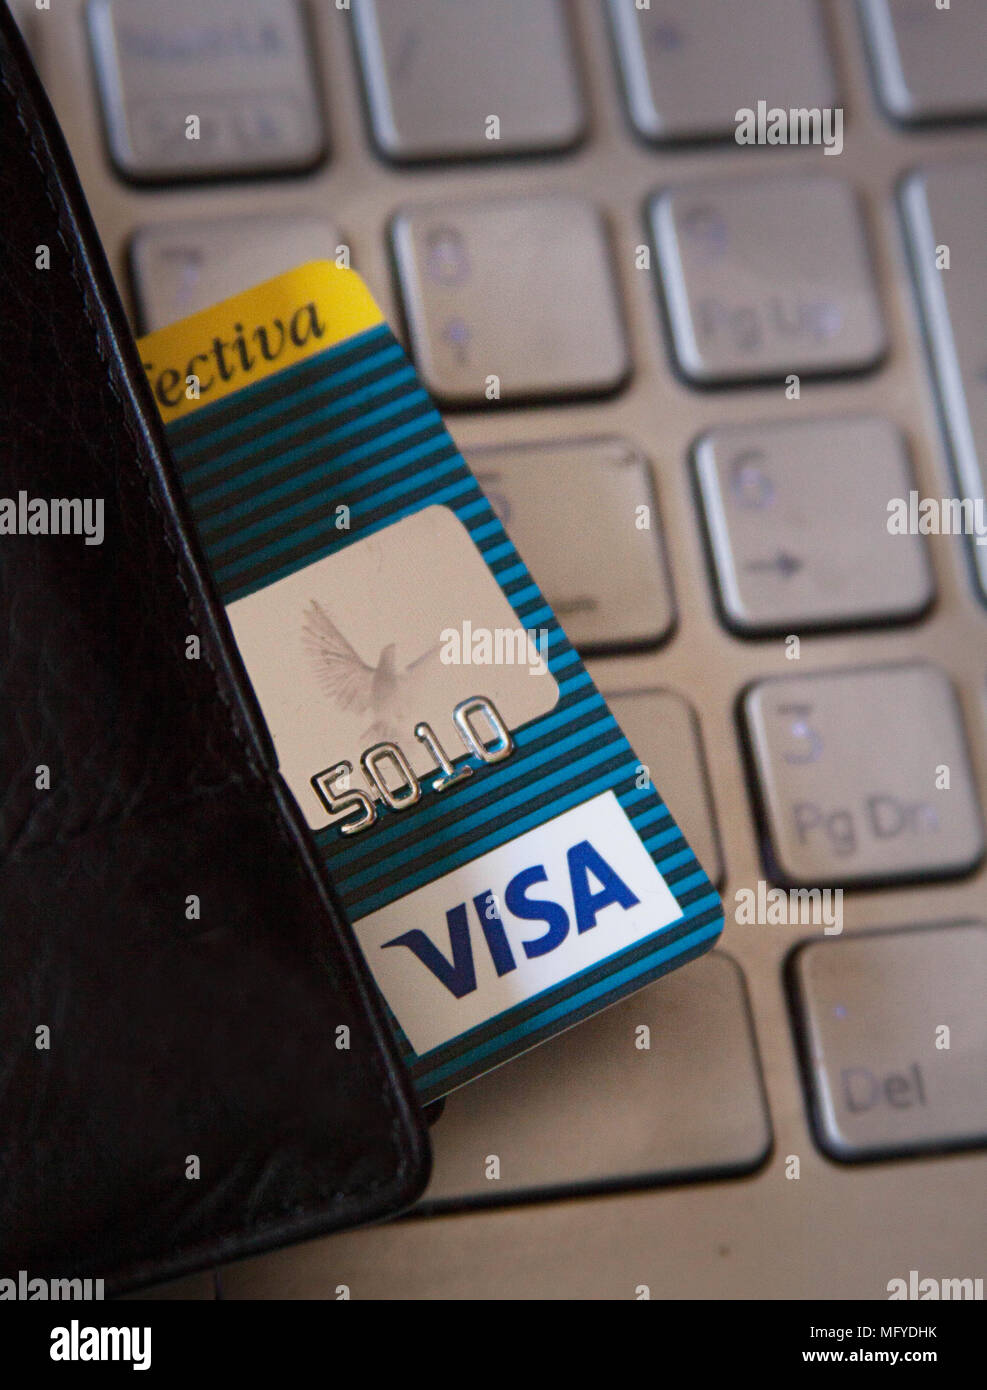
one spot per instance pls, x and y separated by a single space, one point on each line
611 299
190 90
513 296
946 206
882 1089
767 278
686 71
437 72
798 530
543 489
864 776
927 70
634 1095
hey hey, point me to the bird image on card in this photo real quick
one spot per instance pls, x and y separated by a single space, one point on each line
355 649
389 694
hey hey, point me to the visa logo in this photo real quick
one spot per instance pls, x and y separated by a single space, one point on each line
457 972
516 921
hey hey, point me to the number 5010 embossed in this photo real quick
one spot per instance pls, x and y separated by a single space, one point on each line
405 789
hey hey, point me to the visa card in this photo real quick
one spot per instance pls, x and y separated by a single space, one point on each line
506 863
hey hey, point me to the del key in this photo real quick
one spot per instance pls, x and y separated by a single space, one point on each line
863 776
894 1039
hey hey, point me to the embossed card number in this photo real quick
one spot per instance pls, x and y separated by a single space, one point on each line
370 710
345 801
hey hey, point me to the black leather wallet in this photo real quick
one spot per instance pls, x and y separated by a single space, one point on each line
194 1065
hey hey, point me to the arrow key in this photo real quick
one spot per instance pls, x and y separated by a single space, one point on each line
797 519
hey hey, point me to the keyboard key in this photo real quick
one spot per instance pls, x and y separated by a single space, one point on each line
931 64
594 1106
686 72
664 733
436 73
797 520
241 67
871 1012
583 515
947 206
767 277
520 290
852 770
181 267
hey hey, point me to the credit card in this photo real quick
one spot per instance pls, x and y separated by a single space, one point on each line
505 860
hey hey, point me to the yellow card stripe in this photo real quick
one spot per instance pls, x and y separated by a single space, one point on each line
252 336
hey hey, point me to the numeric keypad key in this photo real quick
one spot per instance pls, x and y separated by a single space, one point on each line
583 514
767 277
894 1039
930 59
797 516
470 79
511 299
197 88
863 776
181 267
687 69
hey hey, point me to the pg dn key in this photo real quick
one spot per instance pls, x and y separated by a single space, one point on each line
863 777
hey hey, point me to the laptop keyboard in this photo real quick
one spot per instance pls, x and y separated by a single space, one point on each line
866 1009
928 71
947 207
760 514
686 71
613 592
436 71
192 90
662 1086
798 530
864 776
510 299
767 278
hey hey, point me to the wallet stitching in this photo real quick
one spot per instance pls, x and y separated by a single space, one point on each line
268 1215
